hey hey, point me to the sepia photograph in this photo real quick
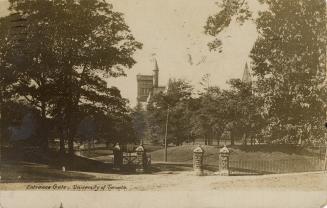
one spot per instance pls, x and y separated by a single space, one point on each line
201 97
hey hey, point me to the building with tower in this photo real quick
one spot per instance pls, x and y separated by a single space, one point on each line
148 85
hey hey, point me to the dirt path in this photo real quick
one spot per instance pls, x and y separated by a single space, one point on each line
186 181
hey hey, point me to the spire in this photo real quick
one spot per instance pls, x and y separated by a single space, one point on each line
61 206
156 74
246 74
156 68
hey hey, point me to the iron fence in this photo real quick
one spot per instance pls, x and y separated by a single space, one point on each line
275 166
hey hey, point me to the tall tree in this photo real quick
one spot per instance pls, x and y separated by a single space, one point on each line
232 111
109 121
173 102
73 45
288 63
245 108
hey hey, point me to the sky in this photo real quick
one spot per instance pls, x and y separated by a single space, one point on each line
172 29
171 32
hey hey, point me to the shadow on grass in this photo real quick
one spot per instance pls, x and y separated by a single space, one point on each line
33 165
13 172
55 160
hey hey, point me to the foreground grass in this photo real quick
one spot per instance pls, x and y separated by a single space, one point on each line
27 172
33 165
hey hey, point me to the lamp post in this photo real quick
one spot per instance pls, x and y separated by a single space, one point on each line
166 132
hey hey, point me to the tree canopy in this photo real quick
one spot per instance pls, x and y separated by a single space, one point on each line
288 63
171 106
70 48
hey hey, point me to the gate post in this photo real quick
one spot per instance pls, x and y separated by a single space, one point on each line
198 161
224 161
141 157
118 157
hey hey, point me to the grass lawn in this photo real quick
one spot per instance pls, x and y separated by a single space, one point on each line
28 172
28 165
244 160
263 152
267 158
32 166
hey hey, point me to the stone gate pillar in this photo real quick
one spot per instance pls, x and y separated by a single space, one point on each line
141 159
224 161
118 157
198 161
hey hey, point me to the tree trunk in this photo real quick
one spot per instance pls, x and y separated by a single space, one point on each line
44 129
231 137
61 141
71 145
62 145
244 139
89 145
70 142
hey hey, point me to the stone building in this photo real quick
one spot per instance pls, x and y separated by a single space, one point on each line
148 85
